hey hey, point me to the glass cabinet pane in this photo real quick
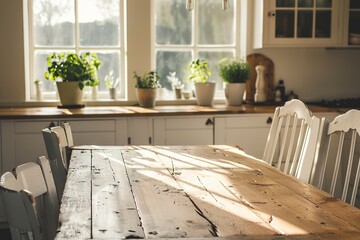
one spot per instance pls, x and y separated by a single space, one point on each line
354 22
323 24
304 24
284 26
354 4
305 3
285 3
324 3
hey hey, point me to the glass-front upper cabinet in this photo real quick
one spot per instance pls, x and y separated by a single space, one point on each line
300 22
353 36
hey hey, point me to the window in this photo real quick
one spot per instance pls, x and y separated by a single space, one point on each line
76 26
181 36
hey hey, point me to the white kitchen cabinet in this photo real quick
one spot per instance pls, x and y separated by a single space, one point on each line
139 131
248 131
94 131
186 130
298 23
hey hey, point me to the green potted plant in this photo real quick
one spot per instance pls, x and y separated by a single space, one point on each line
146 88
199 75
234 73
74 72
111 83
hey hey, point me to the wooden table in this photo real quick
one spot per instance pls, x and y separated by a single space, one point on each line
193 192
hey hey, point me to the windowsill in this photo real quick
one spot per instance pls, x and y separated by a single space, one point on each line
51 103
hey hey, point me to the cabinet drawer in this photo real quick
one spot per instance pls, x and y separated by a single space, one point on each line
93 126
189 123
31 127
249 121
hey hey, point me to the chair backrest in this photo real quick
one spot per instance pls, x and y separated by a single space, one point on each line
338 165
18 209
68 131
37 179
291 143
63 143
55 157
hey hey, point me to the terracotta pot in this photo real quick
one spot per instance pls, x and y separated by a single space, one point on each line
234 93
204 93
69 93
146 96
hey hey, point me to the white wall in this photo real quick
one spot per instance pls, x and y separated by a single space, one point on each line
313 73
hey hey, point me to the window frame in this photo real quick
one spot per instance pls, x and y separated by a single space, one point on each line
239 46
30 49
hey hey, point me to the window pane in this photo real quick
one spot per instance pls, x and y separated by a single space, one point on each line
213 58
172 61
216 26
99 22
53 22
173 22
110 61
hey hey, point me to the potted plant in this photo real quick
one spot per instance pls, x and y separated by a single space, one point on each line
111 84
75 71
234 73
204 89
146 88
176 84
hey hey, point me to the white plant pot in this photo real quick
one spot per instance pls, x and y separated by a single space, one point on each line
146 96
113 92
234 93
204 93
69 93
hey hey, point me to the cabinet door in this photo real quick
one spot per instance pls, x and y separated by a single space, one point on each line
183 131
139 131
301 22
248 131
93 132
22 142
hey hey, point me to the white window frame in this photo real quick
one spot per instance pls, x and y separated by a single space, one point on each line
240 37
30 51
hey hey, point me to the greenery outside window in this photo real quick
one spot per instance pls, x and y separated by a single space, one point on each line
76 26
179 36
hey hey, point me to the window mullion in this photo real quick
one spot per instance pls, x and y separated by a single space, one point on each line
76 26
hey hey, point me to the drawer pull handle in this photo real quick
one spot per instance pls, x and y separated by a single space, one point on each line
269 120
209 122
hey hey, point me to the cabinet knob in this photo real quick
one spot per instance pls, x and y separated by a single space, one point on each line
271 14
209 122
269 120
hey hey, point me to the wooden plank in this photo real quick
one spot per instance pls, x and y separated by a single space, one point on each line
164 208
114 210
308 193
76 226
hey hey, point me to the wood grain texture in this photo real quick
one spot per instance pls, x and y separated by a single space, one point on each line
202 192
269 75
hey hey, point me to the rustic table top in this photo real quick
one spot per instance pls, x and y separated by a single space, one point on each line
193 192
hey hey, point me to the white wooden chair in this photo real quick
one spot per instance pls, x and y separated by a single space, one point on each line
338 166
19 210
291 144
68 132
55 157
38 180
63 143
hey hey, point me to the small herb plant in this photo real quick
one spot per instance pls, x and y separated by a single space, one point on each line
233 70
148 80
174 81
73 67
199 71
110 82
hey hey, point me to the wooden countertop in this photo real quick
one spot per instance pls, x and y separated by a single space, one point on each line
128 111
